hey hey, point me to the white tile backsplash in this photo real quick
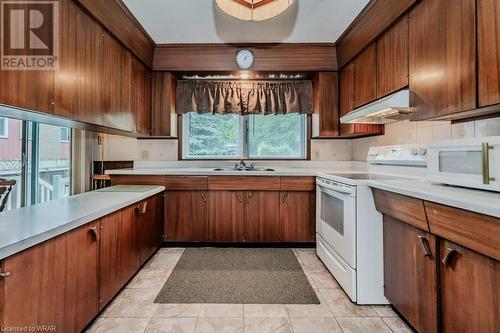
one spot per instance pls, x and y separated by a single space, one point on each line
404 132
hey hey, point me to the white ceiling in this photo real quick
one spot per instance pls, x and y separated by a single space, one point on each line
201 21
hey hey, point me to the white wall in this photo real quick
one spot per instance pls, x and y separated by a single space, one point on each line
405 132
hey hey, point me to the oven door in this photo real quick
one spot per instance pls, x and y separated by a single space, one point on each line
336 220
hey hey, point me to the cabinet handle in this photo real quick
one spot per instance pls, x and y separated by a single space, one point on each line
448 256
142 210
285 196
485 153
238 195
250 195
95 233
204 196
425 246
4 274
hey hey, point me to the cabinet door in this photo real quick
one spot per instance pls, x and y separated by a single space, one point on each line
81 287
186 216
149 227
442 58
297 216
326 108
410 273
346 89
116 71
163 104
262 216
488 43
54 283
119 257
470 290
225 213
365 76
141 97
392 59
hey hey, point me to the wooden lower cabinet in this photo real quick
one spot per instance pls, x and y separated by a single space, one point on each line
186 216
410 273
226 211
297 216
470 290
262 216
119 259
149 227
54 283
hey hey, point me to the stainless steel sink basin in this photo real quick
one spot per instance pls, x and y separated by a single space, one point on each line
245 169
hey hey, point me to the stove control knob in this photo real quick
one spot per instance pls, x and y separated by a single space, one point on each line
413 151
422 151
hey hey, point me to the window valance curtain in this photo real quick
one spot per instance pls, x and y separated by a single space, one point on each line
244 97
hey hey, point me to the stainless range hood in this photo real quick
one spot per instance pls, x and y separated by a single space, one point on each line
388 109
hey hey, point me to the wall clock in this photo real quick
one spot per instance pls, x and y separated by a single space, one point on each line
244 59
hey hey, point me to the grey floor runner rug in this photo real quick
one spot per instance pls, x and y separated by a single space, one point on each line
236 275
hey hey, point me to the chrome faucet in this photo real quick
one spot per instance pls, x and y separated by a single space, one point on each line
243 166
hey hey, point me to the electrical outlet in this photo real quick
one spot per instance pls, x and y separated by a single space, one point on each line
145 154
316 154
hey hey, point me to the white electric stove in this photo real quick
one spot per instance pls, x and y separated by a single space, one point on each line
349 230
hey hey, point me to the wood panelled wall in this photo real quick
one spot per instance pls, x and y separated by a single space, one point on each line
268 57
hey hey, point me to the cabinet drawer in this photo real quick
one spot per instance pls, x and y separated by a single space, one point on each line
407 209
475 231
137 180
189 183
298 183
244 183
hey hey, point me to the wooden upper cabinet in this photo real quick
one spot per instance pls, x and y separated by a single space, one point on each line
346 89
442 58
410 272
164 118
488 35
140 97
262 216
116 74
392 59
226 211
470 290
186 216
326 110
365 76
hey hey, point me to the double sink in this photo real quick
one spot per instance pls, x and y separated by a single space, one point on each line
244 169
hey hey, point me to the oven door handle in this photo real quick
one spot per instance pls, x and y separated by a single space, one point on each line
334 192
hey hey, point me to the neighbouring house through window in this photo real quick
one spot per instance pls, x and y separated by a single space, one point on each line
4 128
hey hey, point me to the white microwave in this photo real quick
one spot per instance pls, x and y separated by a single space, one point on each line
473 162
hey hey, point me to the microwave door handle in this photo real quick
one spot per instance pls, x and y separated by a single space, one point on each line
485 154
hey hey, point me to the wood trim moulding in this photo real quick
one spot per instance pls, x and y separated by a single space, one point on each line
268 57
374 19
120 22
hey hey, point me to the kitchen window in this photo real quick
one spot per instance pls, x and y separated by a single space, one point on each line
39 162
4 128
231 136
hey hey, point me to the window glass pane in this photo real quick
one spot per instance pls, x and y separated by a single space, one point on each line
212 136
54 158
4 127
10 159
276 136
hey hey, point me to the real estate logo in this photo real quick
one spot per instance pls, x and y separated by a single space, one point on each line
30 34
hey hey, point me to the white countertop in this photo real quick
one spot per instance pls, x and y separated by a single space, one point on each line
25 227
479 201
192 171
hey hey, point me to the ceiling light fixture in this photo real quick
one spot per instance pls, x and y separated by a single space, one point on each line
254 10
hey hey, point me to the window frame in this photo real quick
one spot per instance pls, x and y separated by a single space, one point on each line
5 128
244 135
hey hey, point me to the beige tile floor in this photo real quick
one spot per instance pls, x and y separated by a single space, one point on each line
133 309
